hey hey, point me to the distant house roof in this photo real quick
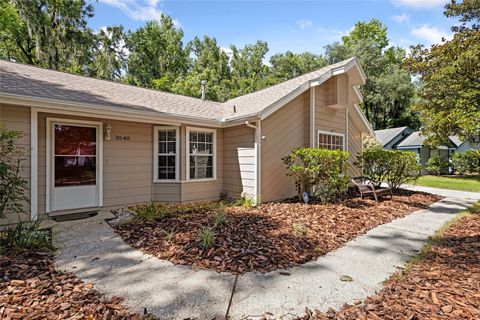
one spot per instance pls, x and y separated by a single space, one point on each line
456 140
38 84
387 135
416 140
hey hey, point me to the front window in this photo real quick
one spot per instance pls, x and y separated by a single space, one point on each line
201 145
331 141
166 153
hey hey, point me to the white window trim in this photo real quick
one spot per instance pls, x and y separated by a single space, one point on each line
319 132
187 153
156 129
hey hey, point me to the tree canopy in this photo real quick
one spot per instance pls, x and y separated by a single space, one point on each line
449 89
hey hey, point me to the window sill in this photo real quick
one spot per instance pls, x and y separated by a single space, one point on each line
201 180
166 181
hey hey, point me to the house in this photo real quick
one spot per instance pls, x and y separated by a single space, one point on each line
391 137
95 144
462 146
415 143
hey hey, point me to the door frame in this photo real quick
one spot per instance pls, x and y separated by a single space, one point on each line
49 163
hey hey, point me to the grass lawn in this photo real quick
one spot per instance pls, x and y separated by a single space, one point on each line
471 184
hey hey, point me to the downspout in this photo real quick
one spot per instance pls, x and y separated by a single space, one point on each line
258 159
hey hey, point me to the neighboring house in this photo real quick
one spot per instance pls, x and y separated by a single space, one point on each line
98 144
462 146
390 138
415 143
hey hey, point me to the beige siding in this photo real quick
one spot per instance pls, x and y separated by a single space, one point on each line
327 119
354 143
283 130
239 161
18 118
167 192
203 190
127 165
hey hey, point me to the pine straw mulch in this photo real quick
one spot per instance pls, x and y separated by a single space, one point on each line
31 288
274 236
444 285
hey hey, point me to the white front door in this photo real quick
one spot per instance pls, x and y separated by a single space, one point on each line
74 165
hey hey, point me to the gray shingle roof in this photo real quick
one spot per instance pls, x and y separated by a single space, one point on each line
387 135
39 83
415 139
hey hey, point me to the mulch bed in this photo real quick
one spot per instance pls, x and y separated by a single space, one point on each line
445 285
274 236
31 288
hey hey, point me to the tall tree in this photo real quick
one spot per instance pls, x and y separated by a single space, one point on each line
157 55
49 33
449 94
209 63
109 54
388 90
249 73
289 65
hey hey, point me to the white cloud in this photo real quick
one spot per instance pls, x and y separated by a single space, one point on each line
333 34
304 23
419 4
401 18
140 10
431 34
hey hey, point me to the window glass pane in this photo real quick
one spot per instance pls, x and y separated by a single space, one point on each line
201 148
162 161
171 147
171 135
171 161
162 147
193 137
209 137
162 136
201 137
193 148
209 172
75 171
73 140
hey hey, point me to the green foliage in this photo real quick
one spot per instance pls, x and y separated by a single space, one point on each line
288 65
219 217
12 185
392 166
299 229
320 172
206 237
26 237
109 56
157 56
152 211
466 162
449 94
245 202
437 165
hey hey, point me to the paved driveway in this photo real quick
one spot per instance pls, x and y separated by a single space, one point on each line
96 254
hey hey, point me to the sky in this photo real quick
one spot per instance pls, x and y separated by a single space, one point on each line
296 26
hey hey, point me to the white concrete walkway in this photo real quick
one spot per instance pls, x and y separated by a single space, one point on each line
96 254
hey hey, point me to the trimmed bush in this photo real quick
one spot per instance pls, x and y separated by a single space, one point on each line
392 166
437 165
466 162
321 173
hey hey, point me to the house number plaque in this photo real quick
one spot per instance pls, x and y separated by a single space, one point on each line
121 138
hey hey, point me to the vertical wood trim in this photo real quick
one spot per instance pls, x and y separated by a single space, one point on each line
258 163
33 163
312 117
346 128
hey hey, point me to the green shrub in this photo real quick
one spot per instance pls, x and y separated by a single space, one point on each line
206 236
466 162
320 172
12 184
437 165
392 166
26 237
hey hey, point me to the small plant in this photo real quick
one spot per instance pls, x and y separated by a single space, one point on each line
299 228
150 212
169 235
437 165
245 202
219 216
206 236
26 237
